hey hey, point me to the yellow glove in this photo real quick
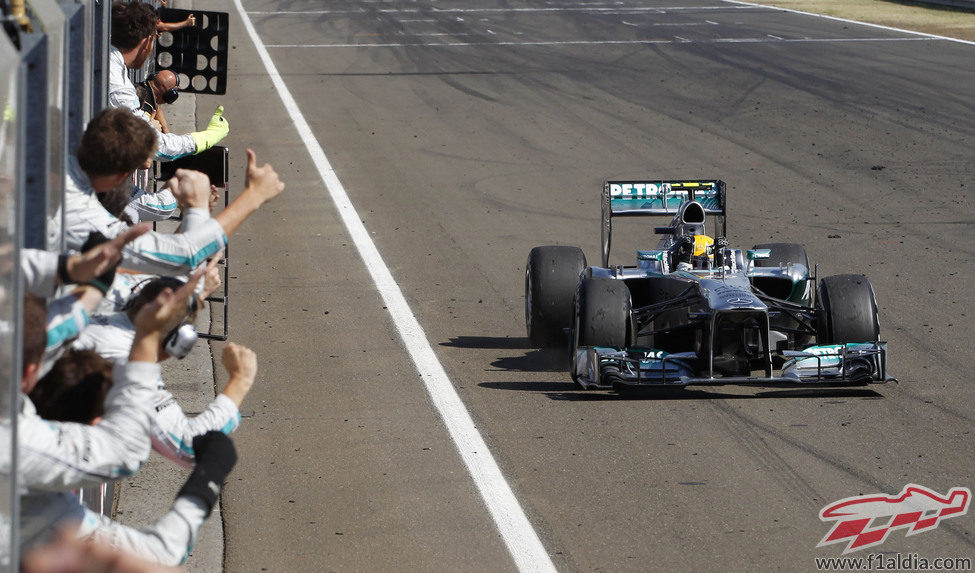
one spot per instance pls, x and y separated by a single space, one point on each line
217 129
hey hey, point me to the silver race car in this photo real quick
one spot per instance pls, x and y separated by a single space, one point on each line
694 310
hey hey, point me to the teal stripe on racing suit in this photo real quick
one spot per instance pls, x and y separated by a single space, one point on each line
66 318
157 206
156 253
173 431
193 260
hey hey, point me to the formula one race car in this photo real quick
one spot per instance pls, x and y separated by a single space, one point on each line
696 311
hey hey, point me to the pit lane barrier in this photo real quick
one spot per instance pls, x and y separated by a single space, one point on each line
54 62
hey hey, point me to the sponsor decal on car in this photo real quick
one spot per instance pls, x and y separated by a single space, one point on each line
638 189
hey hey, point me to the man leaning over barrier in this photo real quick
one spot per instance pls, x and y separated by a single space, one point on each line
113 146
133 38
59 456
158 89
55 457
173 431
92 272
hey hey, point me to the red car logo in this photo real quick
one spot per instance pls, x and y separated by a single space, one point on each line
866 520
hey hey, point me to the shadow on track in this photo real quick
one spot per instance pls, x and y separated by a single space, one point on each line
534 359
570 392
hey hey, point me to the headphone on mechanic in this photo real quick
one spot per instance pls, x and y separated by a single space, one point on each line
179 341
169 96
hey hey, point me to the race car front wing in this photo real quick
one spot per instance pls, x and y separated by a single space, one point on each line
849 364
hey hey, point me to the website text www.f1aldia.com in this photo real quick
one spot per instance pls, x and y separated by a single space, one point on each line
893 562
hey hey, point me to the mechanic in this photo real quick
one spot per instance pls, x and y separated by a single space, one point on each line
59 456
112 147
74 392
69 314
158 88
134 32
173 432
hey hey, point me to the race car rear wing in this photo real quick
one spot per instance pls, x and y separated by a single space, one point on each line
663 197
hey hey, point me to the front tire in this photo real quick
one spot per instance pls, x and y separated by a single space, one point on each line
551 277
847 310
603 309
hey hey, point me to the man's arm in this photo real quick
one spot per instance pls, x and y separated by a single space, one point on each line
190 21
157 206
261 185
152 253
161 118
58 456
40 269
44 270
67 317
61 456
174 432
172 146
67 551
169 539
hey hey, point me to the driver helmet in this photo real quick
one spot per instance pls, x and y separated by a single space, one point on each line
703 255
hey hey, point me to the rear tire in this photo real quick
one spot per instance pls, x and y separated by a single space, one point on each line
551 277
847 310
603 309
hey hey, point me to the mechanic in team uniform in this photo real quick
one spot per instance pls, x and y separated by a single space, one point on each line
173 431
56 457
134 31
114 145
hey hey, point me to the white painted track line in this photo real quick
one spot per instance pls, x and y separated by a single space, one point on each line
678 40
550 10
848 21
520 538
727 4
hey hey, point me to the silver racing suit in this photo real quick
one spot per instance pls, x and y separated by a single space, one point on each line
154 253
56 457
121 93
172 430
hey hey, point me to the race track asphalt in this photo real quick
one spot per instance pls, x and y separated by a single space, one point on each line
466 133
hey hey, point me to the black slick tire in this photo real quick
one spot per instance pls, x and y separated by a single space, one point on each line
603 309
847 310
551 277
